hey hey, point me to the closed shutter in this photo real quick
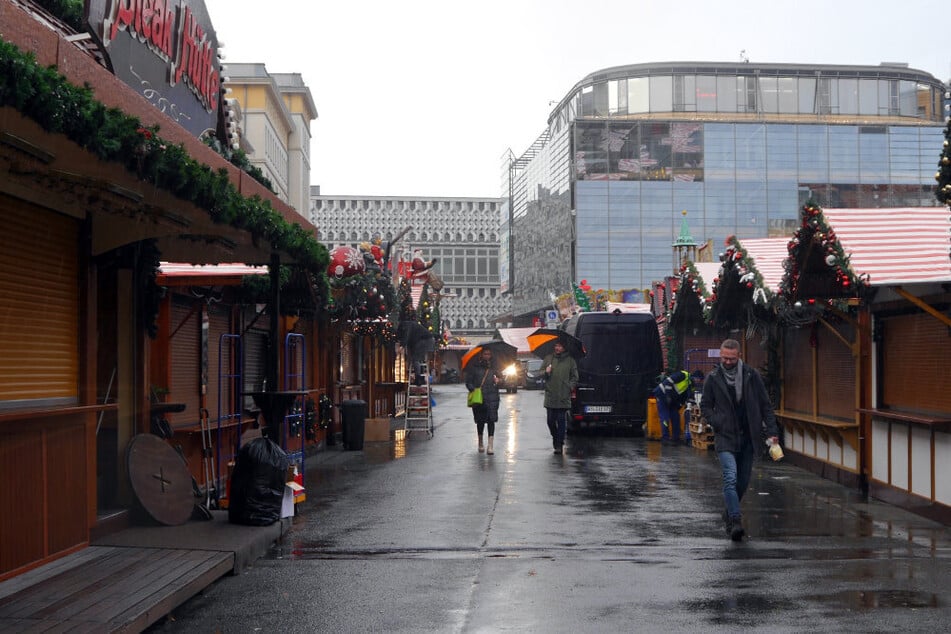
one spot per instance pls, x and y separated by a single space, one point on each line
186 360
915 351
348 359
254 347
835 373
754 354
797 371
219 362
39 320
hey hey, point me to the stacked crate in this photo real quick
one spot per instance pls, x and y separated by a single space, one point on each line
701 436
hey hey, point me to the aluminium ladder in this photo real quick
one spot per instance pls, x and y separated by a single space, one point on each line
419 408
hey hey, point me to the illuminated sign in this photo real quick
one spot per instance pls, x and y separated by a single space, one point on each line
167 50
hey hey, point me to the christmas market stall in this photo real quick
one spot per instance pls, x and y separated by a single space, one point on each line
99 186
743 300
690 334
864 304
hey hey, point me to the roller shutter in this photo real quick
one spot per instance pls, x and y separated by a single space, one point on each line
797 371
915 351
186 360
39 320
219 361
835 374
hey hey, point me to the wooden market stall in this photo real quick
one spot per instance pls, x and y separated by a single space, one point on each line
864 308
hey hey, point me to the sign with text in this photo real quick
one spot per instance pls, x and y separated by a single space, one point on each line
165 49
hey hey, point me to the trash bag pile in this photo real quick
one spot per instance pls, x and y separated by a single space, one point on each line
257 483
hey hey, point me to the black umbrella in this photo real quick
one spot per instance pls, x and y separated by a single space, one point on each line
504 353
542 343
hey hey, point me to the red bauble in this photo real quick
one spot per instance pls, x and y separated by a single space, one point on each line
345 261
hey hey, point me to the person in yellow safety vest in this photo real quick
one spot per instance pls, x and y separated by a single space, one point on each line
672 393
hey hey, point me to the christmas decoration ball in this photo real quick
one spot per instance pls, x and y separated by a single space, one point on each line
830 260
345 261
797 305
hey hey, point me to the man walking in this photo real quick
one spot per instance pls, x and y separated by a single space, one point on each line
562 373
736 405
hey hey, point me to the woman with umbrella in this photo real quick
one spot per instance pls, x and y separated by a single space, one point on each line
484 373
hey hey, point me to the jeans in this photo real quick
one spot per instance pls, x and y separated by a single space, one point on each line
557 425
737 468
669 417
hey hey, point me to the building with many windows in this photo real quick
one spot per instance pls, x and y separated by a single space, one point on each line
460 234
275 112
738 146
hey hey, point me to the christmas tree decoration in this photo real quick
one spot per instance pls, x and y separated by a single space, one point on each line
817 265
943 176
581 298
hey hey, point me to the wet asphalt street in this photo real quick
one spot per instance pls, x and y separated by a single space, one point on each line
619 534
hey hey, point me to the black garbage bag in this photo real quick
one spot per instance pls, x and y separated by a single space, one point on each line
257 483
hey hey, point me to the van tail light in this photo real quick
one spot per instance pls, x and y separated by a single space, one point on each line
574 393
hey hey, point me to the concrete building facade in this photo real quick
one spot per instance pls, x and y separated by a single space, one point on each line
275 114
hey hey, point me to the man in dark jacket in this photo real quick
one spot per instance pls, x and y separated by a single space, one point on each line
736 405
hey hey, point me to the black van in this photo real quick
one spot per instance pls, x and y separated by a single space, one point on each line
618 372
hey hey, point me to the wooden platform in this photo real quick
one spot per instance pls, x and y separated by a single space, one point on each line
108 589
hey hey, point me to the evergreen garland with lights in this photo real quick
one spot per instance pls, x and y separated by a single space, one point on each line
46 97
739 289
816 238
817 272
425 310
943 189
365 302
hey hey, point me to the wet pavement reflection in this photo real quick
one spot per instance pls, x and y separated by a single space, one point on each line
618 534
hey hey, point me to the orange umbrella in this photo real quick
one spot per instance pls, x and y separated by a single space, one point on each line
542 343
500 350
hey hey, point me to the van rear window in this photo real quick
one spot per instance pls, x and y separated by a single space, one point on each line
632 346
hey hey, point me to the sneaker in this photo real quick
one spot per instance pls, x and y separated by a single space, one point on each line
727 524
558 449
737 532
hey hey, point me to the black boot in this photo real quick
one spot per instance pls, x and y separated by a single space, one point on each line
736 531
727 524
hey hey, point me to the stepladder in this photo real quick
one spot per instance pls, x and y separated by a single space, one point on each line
419 402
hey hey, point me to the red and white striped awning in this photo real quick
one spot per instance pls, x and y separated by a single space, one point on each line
768 255
517 337
206 273
906 245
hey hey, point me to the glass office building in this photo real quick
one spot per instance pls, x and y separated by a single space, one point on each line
739 147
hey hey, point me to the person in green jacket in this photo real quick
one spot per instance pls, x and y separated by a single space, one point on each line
562 377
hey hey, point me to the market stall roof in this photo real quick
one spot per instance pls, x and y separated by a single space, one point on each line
768 255
707 271
205 274
517 337
627 307
905 245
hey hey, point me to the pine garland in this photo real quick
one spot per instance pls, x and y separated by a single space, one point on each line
59 107
943 190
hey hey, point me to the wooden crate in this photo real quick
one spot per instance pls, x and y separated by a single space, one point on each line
702 441
699 436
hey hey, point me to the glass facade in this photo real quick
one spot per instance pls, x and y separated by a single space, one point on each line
739 151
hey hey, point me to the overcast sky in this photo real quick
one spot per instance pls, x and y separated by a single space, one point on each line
424 97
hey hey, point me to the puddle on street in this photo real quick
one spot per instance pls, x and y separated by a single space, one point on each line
863 600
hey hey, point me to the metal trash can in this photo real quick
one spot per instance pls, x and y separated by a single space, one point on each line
354 415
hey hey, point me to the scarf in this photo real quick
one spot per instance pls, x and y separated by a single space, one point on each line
731 379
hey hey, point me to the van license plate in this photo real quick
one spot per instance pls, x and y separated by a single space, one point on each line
597 409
